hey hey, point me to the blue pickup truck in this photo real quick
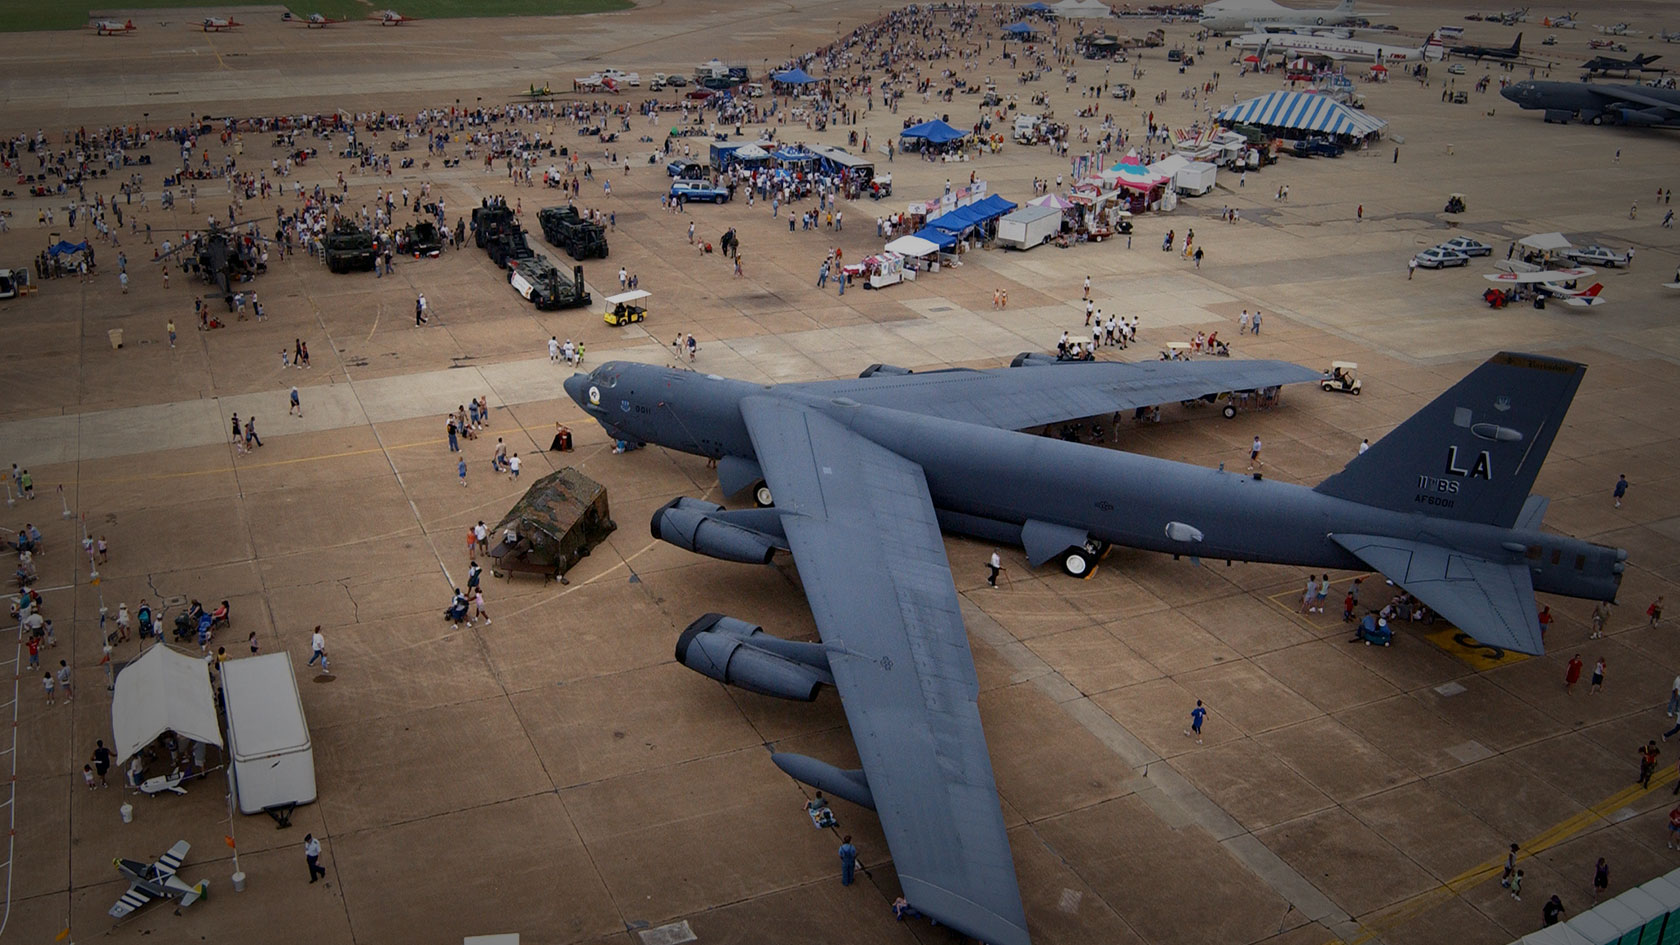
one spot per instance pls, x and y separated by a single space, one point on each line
692 190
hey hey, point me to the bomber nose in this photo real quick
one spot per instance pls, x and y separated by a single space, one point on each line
577 388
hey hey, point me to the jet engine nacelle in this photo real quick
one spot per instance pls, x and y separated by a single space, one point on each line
750 536
1645 117
739 654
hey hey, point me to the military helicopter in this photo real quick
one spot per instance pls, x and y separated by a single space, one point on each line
219 256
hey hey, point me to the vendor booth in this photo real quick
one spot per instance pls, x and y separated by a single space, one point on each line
880 270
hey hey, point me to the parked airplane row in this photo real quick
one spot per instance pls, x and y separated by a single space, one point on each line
217 24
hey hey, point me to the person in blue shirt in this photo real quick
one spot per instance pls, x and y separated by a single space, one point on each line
1196 716
848 860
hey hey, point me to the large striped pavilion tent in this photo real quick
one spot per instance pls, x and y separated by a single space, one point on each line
1304 112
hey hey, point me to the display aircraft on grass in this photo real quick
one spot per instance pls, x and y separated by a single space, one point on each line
157 880
215 24
1639 105
860 476
112 27
317 20
390 18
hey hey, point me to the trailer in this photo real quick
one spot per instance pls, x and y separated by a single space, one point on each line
271 763
1029 227
1195 178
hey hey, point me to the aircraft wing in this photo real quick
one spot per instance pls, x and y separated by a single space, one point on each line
1543 275
861 526
1626 93
1492 602
1033 395
136 897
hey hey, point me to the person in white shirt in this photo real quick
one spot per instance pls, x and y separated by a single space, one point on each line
513 467
553 350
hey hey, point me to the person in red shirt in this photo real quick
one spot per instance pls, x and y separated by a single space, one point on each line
1573 674
34 644
1545 619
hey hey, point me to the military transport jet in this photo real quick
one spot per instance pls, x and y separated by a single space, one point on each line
864 474
156 881
1640 105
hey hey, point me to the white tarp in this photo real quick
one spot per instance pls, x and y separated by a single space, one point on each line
163 691
1082 9
1546 242
912 246
751 152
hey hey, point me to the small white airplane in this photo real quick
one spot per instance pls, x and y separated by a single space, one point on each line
1564 22
111 27
390 18
157 881
1581 299
315 19
1617 29
215 24
1668 37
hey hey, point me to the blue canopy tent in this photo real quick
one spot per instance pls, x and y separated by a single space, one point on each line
794 76
1020 29
933 132
1036 8
938 237
65 246
981 211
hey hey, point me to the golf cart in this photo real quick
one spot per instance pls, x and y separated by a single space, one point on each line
1343 377
623 308
1375 630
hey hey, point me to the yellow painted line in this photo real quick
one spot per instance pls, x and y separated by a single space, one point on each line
1480 657
1386 919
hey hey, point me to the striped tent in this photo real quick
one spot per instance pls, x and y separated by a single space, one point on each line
1303 111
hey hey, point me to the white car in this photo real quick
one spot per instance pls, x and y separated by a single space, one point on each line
1599 256
1456 68
1437 257
1467 246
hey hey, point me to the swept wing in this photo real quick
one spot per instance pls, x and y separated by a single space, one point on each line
861 525
1027 397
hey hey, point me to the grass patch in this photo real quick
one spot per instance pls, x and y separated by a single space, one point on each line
28 15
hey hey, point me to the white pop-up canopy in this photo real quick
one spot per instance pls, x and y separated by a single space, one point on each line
163 691
912 246
1546 242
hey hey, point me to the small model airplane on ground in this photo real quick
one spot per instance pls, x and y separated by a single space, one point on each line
215 24
111 27
390 18
157 881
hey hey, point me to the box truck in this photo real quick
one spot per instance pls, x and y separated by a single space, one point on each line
1029 226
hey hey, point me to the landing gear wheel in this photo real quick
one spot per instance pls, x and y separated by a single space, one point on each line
761 495
1077 562
1230 412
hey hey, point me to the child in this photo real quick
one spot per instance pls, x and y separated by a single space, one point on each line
478 607
1347 608
47 684
87 777
34 645
1516 886
252 639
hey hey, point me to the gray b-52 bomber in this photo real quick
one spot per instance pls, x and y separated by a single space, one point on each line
864 474
1639 105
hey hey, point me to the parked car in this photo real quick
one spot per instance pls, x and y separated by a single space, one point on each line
1437 257
676 81
680 167
1468 246
1599 256
692 190
1456 68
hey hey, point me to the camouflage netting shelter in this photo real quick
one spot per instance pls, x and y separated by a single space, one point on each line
561 518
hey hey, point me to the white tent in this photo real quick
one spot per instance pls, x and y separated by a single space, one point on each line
1546 242
1081 9
163 691
912 246
751 152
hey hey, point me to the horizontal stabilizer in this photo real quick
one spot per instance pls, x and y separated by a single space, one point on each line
1492 602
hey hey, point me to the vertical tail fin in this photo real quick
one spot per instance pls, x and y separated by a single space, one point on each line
1473 452
1516 47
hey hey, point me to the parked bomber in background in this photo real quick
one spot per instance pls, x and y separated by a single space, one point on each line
1489 52
861 475
1228 15
1338 48
1639 105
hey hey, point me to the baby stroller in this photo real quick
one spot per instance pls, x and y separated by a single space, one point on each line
457 610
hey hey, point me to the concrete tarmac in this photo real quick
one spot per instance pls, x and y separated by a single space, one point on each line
556 773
